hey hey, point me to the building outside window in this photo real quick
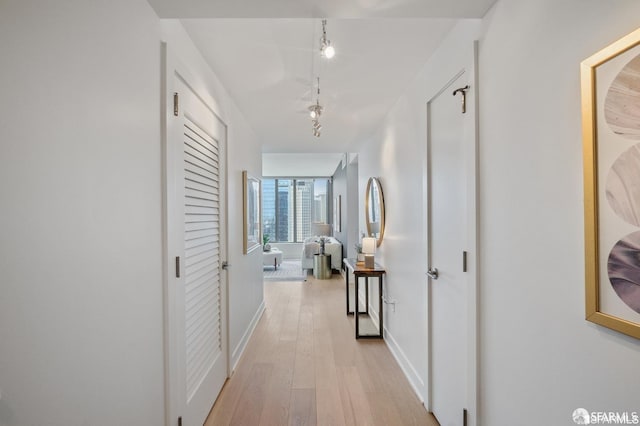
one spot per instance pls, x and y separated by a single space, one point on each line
290 206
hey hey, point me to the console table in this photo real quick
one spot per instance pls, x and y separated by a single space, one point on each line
359 271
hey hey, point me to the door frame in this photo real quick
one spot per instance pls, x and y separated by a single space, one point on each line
172 66
471 149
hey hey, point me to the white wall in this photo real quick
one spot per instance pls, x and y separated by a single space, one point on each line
243 153
397 155
540 359
340 189
352 206
81 297
81 339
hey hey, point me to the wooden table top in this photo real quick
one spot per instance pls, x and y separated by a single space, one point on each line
359 268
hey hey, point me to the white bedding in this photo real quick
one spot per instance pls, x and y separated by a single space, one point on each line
311 247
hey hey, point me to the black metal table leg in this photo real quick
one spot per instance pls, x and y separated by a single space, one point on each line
356 308
366 295
346 280
380 307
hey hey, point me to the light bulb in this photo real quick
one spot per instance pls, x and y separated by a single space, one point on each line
328 51
313 114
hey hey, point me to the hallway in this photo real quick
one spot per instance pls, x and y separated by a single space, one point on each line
303 366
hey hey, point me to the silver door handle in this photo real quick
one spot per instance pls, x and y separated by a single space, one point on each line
225 265
433 273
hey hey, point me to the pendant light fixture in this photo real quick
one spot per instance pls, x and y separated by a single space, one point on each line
326 49
315 111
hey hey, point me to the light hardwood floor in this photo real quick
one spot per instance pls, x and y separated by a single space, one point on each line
303 366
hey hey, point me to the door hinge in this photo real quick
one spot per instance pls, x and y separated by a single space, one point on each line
180 421
177 266
464 261
175 103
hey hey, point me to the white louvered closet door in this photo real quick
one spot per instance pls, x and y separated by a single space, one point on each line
201 312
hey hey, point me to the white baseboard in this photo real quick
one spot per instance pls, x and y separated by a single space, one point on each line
239 349
417 384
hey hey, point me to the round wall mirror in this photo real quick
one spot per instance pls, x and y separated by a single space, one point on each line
374 210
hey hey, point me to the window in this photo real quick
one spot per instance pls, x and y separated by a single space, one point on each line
290 206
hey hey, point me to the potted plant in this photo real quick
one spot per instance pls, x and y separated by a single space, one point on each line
358 247
265 243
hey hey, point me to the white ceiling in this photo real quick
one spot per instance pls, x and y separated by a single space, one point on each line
307 165
269 66
321 8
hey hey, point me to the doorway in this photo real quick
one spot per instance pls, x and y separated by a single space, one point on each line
196 248
452 254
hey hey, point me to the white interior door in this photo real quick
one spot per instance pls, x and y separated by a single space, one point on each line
196 250
447 224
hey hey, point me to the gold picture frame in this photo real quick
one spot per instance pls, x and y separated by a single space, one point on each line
611 152
374 210
251 208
